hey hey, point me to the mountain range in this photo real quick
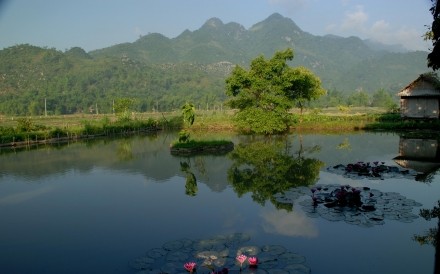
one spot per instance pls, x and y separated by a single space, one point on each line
163 73
342 63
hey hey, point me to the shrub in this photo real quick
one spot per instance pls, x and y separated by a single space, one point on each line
25 124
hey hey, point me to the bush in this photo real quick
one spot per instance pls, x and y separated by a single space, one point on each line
57 133
25 124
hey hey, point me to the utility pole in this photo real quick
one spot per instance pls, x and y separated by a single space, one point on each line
45 107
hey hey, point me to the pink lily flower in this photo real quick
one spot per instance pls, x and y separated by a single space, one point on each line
241 258
253 261
190 266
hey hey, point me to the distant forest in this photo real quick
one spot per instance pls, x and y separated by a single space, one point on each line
162 74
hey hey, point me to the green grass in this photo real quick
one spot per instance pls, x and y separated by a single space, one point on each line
29 130
207 125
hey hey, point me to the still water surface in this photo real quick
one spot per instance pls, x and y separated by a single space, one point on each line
94 207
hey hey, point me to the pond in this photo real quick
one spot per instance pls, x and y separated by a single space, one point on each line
128 206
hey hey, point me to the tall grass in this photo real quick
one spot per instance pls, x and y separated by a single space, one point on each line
28 130
25 129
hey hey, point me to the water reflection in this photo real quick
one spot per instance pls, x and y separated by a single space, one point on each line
125 150
219 254
14 199
421 155
89 202
294 223
266 167
191 181
432 236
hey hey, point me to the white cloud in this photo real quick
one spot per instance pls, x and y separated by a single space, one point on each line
355 20
356 23
288 223
383 32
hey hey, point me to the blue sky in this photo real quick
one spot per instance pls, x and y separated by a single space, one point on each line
94 24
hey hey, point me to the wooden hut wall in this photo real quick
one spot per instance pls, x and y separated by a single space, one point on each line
419 107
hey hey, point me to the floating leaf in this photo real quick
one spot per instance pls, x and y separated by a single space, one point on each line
174 245
141 263
156 253
216 253
291 258
358 206
298 269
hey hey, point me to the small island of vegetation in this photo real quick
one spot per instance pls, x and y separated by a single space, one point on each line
186 146
202 147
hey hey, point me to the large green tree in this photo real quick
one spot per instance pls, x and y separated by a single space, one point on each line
434 35
266 92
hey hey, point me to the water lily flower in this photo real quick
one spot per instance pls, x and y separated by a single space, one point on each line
190 266
253 261
241 258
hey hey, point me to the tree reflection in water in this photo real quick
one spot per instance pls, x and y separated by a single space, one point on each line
266 167
125 150
191 181
432 236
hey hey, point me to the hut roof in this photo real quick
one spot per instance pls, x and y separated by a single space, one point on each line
426 84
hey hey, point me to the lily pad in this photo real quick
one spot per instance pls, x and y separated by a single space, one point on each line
276 250
291 258
177 256
374 171
357 205
141 263
174 245
217 253
249 250
156 253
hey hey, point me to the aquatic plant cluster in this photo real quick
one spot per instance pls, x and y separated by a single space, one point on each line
374 170
355 205
219 255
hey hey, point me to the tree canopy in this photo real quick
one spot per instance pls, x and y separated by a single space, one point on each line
266 92
434 35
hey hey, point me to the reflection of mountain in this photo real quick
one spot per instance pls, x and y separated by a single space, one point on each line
265 168
146 155
421 155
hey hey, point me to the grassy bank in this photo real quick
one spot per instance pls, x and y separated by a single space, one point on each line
16 130
19 131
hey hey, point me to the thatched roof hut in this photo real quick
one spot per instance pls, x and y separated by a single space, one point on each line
421 98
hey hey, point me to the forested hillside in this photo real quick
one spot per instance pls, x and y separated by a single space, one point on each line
73 82
162 73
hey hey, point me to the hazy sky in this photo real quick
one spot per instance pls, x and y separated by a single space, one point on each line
94 24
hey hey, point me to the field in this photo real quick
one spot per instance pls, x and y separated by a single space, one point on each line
16 130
